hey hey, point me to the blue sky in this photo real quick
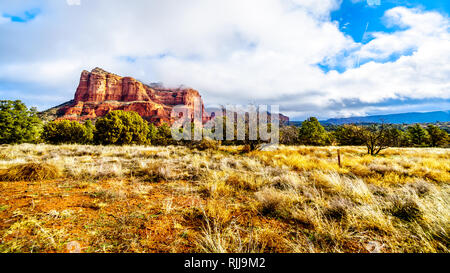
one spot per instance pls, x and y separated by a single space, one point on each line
327 58
358 18
360 14
26 16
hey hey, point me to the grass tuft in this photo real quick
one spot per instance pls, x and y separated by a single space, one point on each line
31 172
406 210
156 173
207 144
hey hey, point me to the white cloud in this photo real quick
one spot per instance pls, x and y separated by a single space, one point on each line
73 2
423 74
3 20
232 51
421 28
317 8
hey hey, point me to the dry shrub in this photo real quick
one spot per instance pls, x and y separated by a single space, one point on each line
80 184
421 187
405 209
304 216
386 167
307 150
216 188
241 182
246 149
274 203
219 210
217 237
331 182
207 144
31 172
352 187
287 181
360 170
378 190
155 173
194 214
110 194
269 240
337 209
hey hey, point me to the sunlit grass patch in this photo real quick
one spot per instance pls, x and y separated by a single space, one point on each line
292 199
295 160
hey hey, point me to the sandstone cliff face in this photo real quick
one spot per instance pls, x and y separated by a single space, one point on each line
100 85
100 92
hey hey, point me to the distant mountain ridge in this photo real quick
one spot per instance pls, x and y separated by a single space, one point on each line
403 118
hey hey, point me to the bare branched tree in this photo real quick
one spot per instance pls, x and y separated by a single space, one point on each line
377 137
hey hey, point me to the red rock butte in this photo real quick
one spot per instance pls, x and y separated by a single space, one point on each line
100 92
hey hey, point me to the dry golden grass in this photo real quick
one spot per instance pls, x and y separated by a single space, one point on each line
218 199
30 172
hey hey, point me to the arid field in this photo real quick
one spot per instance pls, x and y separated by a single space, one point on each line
177 199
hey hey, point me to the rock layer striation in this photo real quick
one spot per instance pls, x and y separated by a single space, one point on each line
100 92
